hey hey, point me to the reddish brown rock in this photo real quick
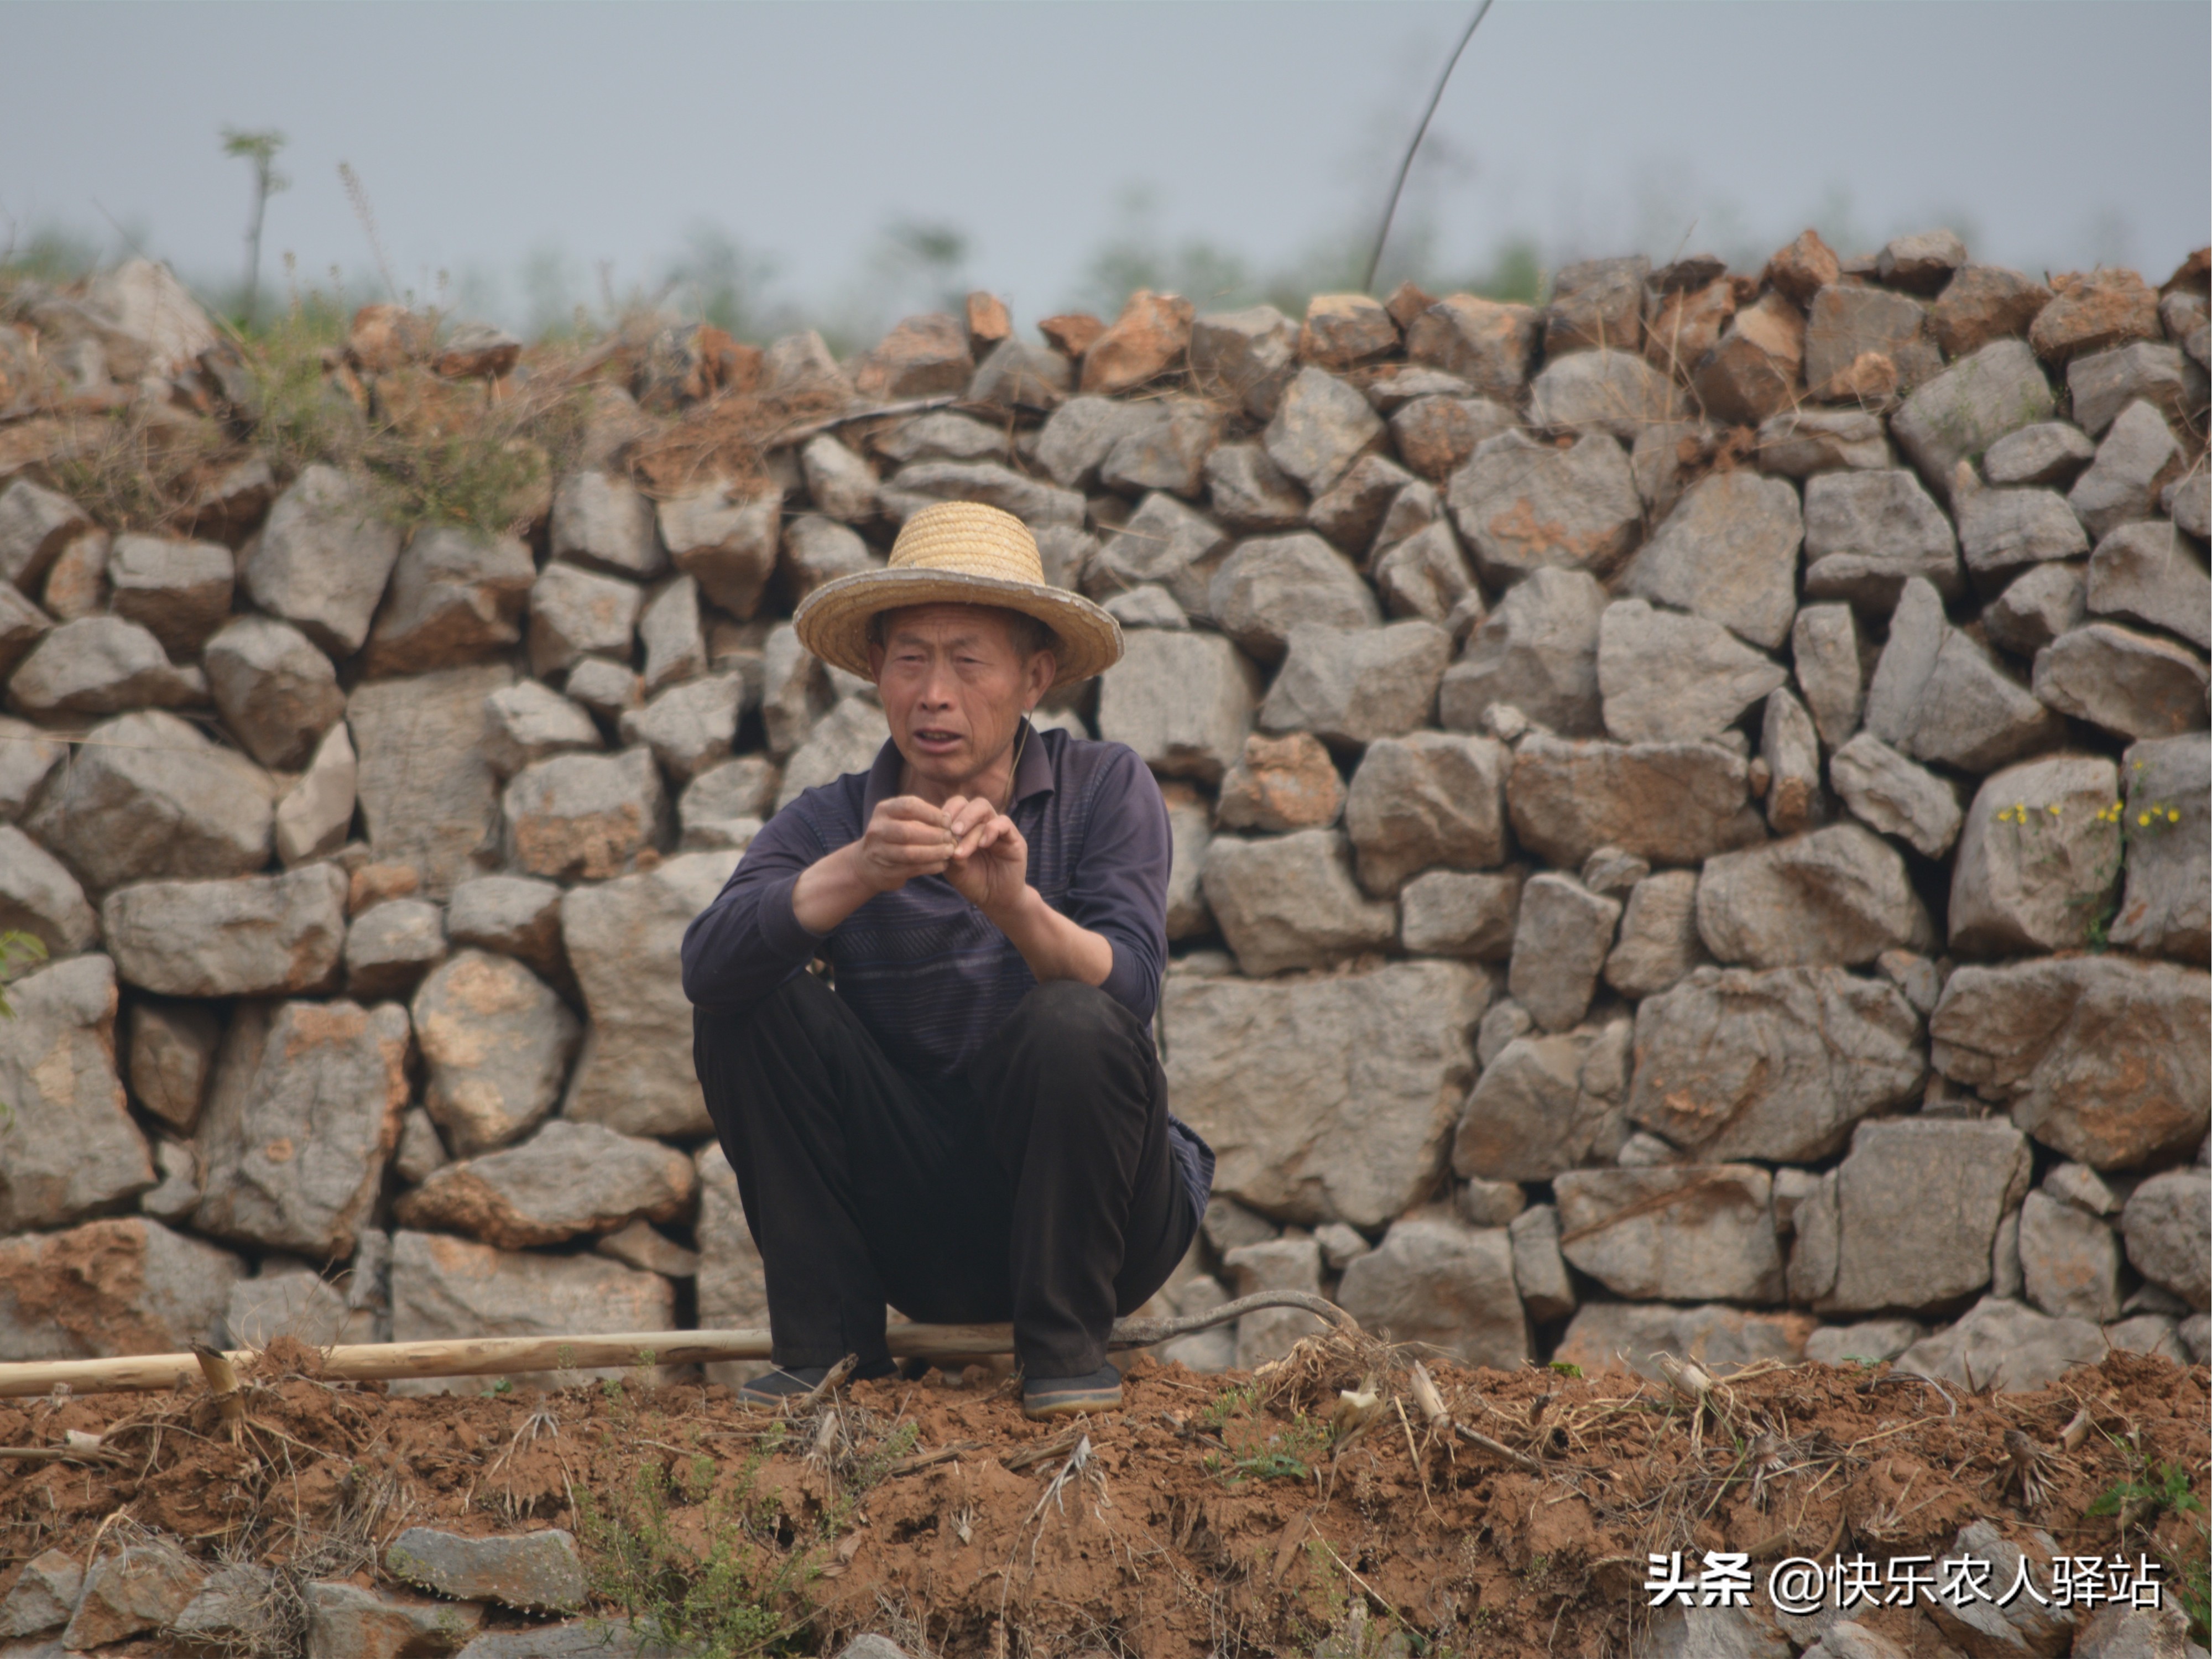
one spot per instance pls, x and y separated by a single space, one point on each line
2093 310
1804 268
1146 340
1282 784
1486 343
989 322
383 337
1688 324
1342 330
1849 322
1072 331
1436 435
1407 300
1984 303
919 358
1753 372
127 1285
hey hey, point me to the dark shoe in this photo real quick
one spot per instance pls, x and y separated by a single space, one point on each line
1070 1396
778 1385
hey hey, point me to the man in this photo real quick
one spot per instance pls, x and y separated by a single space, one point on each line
972 1125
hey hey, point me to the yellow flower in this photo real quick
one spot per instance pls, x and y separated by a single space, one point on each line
2172 816
2053 810
2141 819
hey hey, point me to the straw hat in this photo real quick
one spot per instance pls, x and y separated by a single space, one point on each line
958 553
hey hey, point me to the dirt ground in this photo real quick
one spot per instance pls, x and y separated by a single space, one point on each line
1212 1515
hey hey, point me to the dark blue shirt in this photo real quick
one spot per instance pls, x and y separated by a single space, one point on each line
929 975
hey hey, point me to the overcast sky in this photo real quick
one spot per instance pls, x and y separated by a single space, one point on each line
486 136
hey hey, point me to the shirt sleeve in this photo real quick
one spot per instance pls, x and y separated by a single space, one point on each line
1120 889
749 941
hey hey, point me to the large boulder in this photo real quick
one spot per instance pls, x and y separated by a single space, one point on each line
2101 1058
2167 1224
1839 896
1824 649
1524 505
1658 941
1672 803
2149 572
567 1180
2069 1261
179 591
1281 783
1349 686
623 938
1285 902
1867 534
1961 412
516 916
1544 1104
1602 391
1289 1263
1450 913
729 546
2132 683
1325 1099
39 897
584 815
529 721
1536 651
1489 343
101 665
2039 859
2166 909
122 1286
1166 543
1938 695
67 1147
2008 1346
1674 1233
427 794
1847 326
846 739
1424 800
315 815
1270 586
2137 458
604 520
456 597
577 614
2003 531
303 1113
275 688
1779 1064
1666 678
252 936
1560 939
322 558
497 1043
1436 1281
1182 701
1886 792
1728 552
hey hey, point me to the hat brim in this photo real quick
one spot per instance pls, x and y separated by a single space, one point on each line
833 620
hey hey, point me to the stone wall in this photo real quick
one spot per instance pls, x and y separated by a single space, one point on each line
1691 809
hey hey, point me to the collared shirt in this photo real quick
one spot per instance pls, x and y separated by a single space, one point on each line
929 975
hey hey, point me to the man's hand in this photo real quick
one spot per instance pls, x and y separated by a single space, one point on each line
906 837
990 862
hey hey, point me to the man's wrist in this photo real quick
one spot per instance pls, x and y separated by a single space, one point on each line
1020 914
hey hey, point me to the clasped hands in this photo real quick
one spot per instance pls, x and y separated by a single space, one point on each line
972 845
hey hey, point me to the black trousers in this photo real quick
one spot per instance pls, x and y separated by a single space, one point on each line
1037 1187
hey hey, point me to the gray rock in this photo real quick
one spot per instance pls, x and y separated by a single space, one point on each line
389 948
1427 575
2070 1260
2003 1346
2001 529
143 1587
1425 800
1435 1281
1183 702
1864 1342
1488 1203
1844 324
1166 541
1920 263
690 727
1190 829
1937 695
39 897
729 546
795 690
1627 1336
535 1571
2048 452
1148 606
733 1287
2136 460
68 1148
1290 902
1346 329
1884 790
2167 1224
172 1047
2100 384
1688 1233
1351 686
1560 941
28 756
1019 375
1838 896
1597 304
1867 534
1775 1065
608 690
1659 940
1672 803
847 739
42 1597
1351 512
1275 1264
1540 1271
249 936
35 525
1451 913
2188 501
728 801
2147 572
669 629
567 1180
420 1152
1035 502
344 1620
603 521
1791 749
1728 552
528 722
128 1284
2102 1058
2039 860
2041 603
456 597
1487 344
1962 411
818 549
315 815
277 690
1247 357
623 936
1280 784
1916 1206
322 559
497 1042
842 484
640 1245
2166 909
1268 586
101 665
1077 437
178 591
1164 448
443 1287
1671 679
574 613
1602 391
1435 435
1524 505
1325 1099
303 1113
516 916
1249 492
584 815
1532 1114
427 796
1538 651
1800 442
2136 686
581 1638
299 1303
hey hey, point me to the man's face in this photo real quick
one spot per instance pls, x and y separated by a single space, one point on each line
955 685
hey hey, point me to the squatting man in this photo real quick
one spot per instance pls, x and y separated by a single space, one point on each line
967 1119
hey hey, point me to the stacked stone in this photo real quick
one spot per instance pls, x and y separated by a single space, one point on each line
1690 803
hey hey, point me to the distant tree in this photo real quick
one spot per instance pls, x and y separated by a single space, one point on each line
260 149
